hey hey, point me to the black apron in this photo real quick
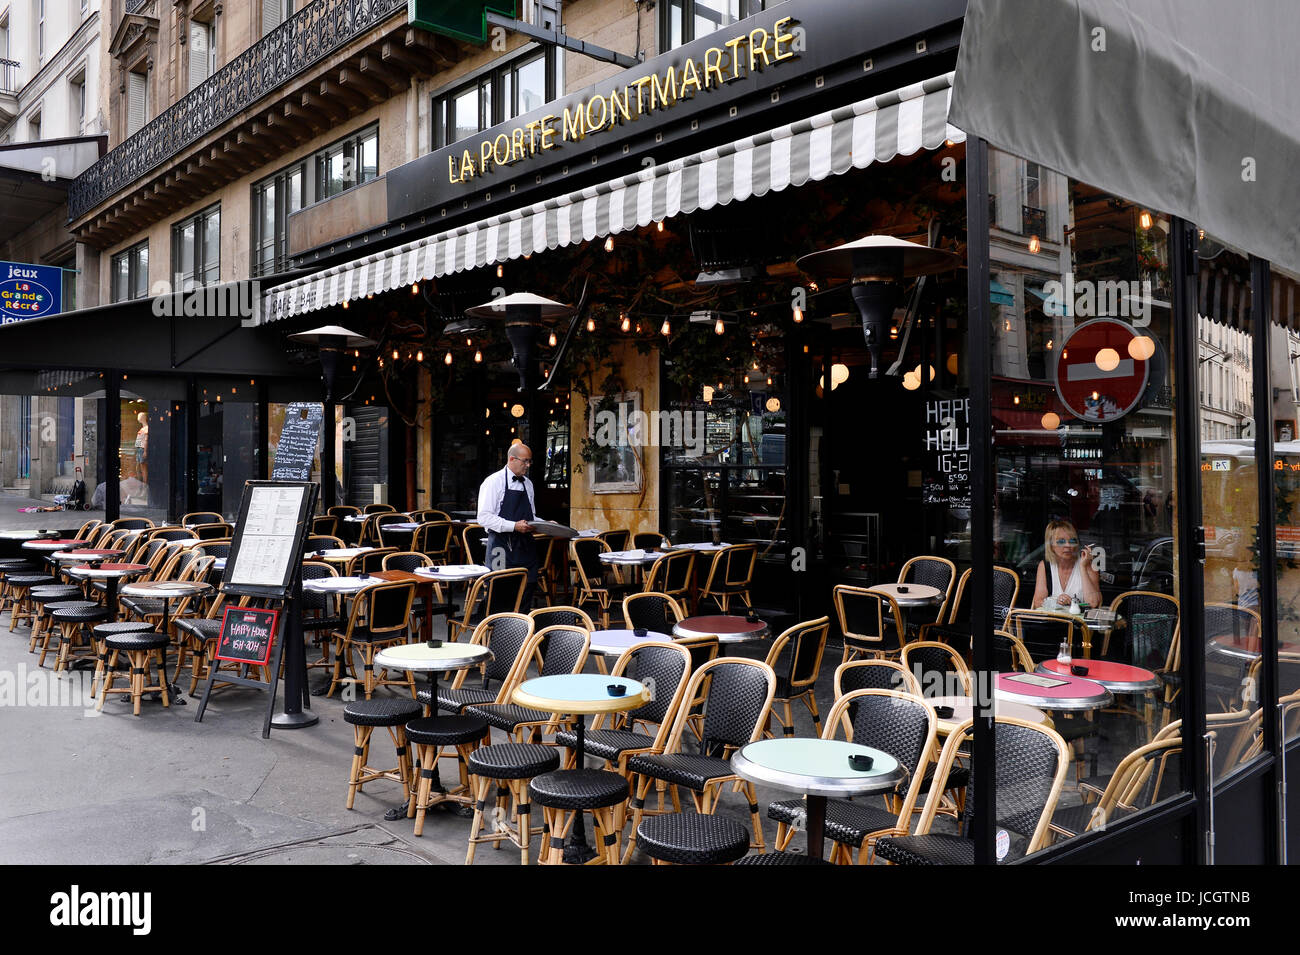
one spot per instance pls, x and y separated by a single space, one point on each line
511 549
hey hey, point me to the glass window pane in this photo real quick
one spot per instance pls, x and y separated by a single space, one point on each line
509 109
532 84
294 190
369 158
1285 351
465 109
212 247
121 277
712 15
676 19
142 271
186 251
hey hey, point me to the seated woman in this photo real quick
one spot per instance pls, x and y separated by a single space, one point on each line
1066 576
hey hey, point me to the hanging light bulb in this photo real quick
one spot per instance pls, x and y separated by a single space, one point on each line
1051 421
419 355
415 288
501 271
708 393
487 412
394 354
638 328
1144 220
1142 347
769 379
911 381
660 225
446 359
718 327
773 404
591 324
747 379
609 244
381 363
469 343
798 315
1015 400
626 323
665 328
1034 244
552 340
345 303
478 356
1107 359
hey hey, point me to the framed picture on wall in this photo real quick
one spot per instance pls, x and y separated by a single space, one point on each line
615 432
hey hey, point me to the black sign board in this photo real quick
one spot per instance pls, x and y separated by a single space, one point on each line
267 547
247 634
298 441
947 451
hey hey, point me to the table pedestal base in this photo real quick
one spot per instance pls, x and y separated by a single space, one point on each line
294 721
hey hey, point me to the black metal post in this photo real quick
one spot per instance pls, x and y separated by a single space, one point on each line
190 428
112 445
329 459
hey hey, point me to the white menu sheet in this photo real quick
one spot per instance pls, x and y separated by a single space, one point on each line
267 547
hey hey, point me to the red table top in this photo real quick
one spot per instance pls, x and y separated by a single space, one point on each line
720 623
93 552
120 567
1106 671
1074 687
63 542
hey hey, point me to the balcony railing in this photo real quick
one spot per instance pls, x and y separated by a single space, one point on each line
1033 221
307 37
9 76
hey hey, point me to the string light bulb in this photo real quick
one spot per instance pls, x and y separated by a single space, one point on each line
665 329
552 340
591 324
478 357
419 355
1144 220
501 271
609 244
718 327
660 225
345 303
415 288
1034 244
446 359
626 323
394 354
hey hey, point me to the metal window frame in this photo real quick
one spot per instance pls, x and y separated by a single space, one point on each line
132 256
199 219
748 8
442 116
350 145
281 242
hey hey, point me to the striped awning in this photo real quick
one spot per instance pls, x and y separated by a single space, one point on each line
851 137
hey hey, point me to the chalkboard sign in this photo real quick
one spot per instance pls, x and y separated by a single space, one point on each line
947 451
298 440
247 635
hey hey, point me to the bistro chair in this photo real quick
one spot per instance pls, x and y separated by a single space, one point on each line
680 838
315 542
655 612
1138 782
563 650
895 723
342 510
410 561
380 617
508 636
807 643
874 675
703 649
957 628
201 634
133 523
320 611
929 571
365 716
435 515
325 524
219 549
934 665
507 768
1029 769
871 622
672 574
736 708
431 737
140 649
550 565
1127 606
1010 654
214 531
544 617
1042 632
594 590
201 517
172 534
497 592
399 539
433 538
729 577
369 562
617 540
377 509
474 540
649 540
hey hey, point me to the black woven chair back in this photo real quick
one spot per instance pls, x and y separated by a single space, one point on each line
647 540
701 651
867 615
405 560
961 607
735 703
562 649
1005 658
932 667
218 549
476 545
313 600
343 510
173 534
587 551
433 537
316 542
150 551
617 540
677 571
806 648
1229 620
506 639
652 612
1026 764
558 617
390 607
132 523
1288 673
930 573
377 509
505 589
211 532
372 562
1004 595
325 524
666 669
1042 636
202 517
893 725
1151 620
390 518
871 675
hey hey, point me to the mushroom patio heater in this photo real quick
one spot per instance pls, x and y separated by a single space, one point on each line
877 265
523 314
333 341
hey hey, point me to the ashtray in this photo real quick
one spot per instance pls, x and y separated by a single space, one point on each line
902 589
616 689
751 616
861 762
363 576
943 712
320 553
1079 670
640 631
434 644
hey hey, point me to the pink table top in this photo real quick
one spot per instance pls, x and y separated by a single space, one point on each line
1074 693
1113 676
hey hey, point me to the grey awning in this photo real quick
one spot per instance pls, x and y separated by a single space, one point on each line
851 137
1184 94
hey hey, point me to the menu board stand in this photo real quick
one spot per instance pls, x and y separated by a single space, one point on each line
265 562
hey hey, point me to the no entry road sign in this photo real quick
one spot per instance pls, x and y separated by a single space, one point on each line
1103 370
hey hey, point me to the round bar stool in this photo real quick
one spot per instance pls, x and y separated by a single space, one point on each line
41 596
72 624
429 736
50 634
365 716
781 858
566 793
100 634
680 838
139 648
21 594
14 567
514 765
203 633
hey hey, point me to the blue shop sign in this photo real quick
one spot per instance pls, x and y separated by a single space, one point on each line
29 291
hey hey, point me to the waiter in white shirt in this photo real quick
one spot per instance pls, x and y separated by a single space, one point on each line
505 507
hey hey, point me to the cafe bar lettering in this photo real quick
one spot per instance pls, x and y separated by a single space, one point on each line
29 291
734 60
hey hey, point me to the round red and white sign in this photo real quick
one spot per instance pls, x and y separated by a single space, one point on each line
1103 370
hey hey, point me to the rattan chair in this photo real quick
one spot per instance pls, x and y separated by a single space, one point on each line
1133 602
595 590
617 540
874 675
378 509
730 575
672 574
563 650
474 540
202 517
798 679
560 616
508 636
931 571
934 665
434 539
326 524
871 622
956 630
380 617
500 591
655 612
1142 778
1043 631
1010 654
649 540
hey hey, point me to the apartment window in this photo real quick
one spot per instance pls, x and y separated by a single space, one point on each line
502 93
34 128
203 51
131 273
275 198
275 12
69 284
137 102
77 102
40 30
196 248
347 163
681 21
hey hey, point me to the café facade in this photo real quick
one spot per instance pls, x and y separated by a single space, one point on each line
1103 341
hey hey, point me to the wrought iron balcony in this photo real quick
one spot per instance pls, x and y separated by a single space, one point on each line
306 38
1033 221
9 76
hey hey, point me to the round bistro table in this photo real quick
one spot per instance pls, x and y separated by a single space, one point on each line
167 591
729 628
913 595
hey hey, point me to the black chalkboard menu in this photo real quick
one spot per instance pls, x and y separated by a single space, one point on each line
247 635
298 440
947 451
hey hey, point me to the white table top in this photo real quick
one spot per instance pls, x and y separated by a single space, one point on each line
963 708
338 585
817 767
635 556
166 589
580 693
453 572
614 642
111 571
50 545
916 595
700 546
26 535
403 526
339 553
422 658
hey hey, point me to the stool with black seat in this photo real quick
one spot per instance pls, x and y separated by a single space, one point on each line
680 838
507 767
429 736
43 596
50 634
72 623
365 716
565 793
781 858
20 593
139 649
100 633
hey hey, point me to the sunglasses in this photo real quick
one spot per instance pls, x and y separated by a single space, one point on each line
1063 541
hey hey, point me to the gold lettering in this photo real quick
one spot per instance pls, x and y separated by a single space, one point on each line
497 156
689 78
667 92
640 85
532 135
517 148
778 38
615 107
713 53
548 131
467 170
484 156
733 45
451 170
756 50
573 128
592 125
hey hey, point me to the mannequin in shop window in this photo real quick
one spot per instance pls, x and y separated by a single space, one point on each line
1065 575
142 448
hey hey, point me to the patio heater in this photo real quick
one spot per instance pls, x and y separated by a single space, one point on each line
332 341
877 265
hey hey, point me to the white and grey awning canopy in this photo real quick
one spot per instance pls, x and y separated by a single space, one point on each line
851 137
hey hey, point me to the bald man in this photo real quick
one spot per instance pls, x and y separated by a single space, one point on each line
505 508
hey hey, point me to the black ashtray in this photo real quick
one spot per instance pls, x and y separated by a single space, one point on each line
1078 670
320 553
616 689
751 616
861 762
902 589
640 632
363 576
943 712
434 644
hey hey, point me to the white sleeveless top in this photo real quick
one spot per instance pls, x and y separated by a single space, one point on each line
1073 586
